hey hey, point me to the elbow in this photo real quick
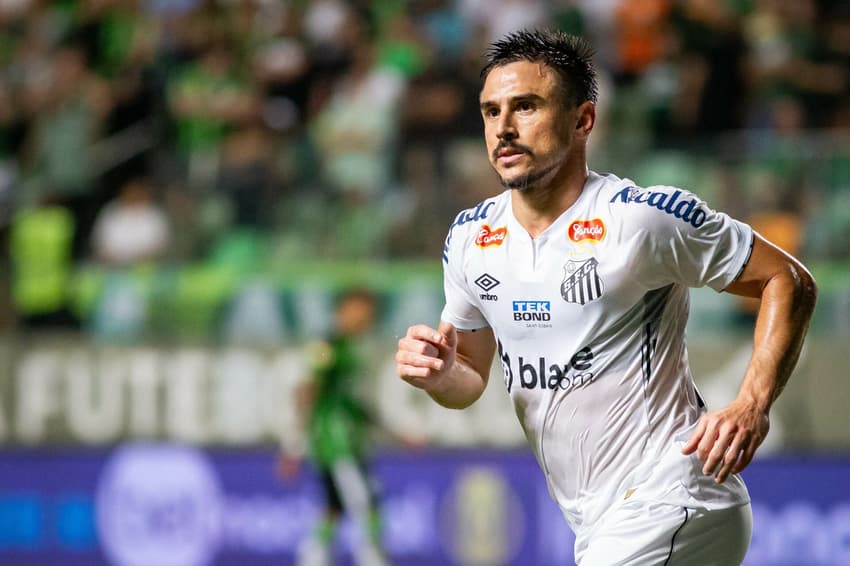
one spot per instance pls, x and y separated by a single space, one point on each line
806 290
454 402
456 405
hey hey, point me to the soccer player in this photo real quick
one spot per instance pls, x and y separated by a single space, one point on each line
337 425
580 281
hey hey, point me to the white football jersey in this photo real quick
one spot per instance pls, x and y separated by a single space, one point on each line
590 321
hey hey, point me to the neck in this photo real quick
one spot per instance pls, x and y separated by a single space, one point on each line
538 207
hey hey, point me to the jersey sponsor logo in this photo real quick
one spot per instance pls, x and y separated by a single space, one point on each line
542 374
687 210
581 230
487 237
487 283
532 311
465 216
581 283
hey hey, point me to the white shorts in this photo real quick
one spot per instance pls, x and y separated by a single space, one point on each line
644 533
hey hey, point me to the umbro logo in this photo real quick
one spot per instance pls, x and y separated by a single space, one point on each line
487 283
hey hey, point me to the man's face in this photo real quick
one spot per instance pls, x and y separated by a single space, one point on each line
355 316
527 127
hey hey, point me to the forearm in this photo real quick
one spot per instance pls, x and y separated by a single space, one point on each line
460 387
787 303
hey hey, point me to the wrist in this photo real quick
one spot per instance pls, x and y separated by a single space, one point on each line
442 384
760 403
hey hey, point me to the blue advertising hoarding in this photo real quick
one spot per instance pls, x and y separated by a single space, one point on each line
174 505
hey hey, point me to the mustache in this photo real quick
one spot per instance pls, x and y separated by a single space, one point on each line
515 146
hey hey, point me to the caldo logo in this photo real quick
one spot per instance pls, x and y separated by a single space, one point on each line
670 203
542 374
593 230
488 237
158 505
532 310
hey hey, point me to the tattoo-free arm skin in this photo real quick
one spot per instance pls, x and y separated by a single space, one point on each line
727 439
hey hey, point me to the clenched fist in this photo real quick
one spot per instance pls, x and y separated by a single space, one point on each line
425 356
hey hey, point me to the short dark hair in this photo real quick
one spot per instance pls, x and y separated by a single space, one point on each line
570 56
361 294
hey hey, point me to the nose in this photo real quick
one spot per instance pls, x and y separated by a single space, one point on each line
506 129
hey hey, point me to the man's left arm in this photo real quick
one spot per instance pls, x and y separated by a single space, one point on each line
727 439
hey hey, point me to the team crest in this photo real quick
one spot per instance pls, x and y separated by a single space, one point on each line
582 283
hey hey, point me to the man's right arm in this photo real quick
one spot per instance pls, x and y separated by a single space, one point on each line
452 367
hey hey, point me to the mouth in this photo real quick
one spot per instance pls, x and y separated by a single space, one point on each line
509 155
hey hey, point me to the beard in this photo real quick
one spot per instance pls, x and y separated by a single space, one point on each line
526 181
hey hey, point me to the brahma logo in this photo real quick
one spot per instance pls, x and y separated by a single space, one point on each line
581 230
488 237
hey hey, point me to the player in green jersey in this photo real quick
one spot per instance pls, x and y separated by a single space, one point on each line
337 425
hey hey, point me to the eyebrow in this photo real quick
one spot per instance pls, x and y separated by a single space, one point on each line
524 96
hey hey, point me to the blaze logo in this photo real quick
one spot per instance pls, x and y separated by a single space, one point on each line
544 374
488 237
581 230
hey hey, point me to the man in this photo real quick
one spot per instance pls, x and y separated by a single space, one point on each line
336 423
581 282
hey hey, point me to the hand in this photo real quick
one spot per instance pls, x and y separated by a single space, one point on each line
412 441
425 355
727 439
288 467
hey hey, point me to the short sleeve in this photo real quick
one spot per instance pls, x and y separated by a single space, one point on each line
689 242
461 307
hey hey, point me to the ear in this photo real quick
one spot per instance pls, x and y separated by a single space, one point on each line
585 118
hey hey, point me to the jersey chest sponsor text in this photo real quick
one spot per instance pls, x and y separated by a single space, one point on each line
687 210
532 310
542 373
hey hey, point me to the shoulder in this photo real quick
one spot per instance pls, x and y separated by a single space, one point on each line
657 206
469 222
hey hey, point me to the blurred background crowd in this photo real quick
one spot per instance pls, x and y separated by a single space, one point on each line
249 135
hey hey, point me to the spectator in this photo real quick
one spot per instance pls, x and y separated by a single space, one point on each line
640 26
355 130
207 99
68 118
40 246
132 229
355 134
246 176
